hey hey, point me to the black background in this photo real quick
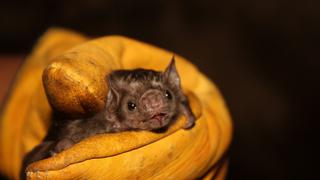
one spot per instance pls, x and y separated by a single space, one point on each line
263 55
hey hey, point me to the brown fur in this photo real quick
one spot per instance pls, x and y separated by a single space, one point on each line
158 101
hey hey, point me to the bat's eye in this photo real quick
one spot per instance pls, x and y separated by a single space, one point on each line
168 95
131 106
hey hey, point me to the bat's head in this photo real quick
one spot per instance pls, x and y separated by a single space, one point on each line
144 99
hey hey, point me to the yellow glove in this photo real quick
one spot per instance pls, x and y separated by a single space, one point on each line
74 74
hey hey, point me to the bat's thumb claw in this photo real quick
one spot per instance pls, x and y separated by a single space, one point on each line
190 123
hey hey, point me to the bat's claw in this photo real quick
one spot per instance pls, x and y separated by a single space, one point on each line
190 122
52 153
63 144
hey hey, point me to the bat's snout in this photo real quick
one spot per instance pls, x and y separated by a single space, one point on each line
152 101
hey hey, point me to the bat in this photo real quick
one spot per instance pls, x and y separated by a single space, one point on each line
138 99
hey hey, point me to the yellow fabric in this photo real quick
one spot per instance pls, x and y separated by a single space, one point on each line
74 74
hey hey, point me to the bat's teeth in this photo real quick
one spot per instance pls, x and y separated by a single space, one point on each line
159 117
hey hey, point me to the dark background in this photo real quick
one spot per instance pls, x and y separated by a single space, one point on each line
263 55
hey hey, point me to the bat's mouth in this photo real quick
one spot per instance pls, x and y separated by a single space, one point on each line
160 117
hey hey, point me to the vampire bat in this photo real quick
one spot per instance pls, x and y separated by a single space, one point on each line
138 99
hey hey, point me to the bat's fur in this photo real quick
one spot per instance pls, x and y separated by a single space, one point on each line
156 100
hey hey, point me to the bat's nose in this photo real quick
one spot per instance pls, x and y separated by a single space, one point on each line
152 100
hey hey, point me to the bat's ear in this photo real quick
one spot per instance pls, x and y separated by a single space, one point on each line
113 93
171 74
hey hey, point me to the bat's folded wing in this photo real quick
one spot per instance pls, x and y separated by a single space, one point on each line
73 71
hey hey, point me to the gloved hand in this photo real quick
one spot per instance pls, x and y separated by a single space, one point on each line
73 78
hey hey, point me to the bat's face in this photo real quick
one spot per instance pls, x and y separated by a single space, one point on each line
148 107
145 99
